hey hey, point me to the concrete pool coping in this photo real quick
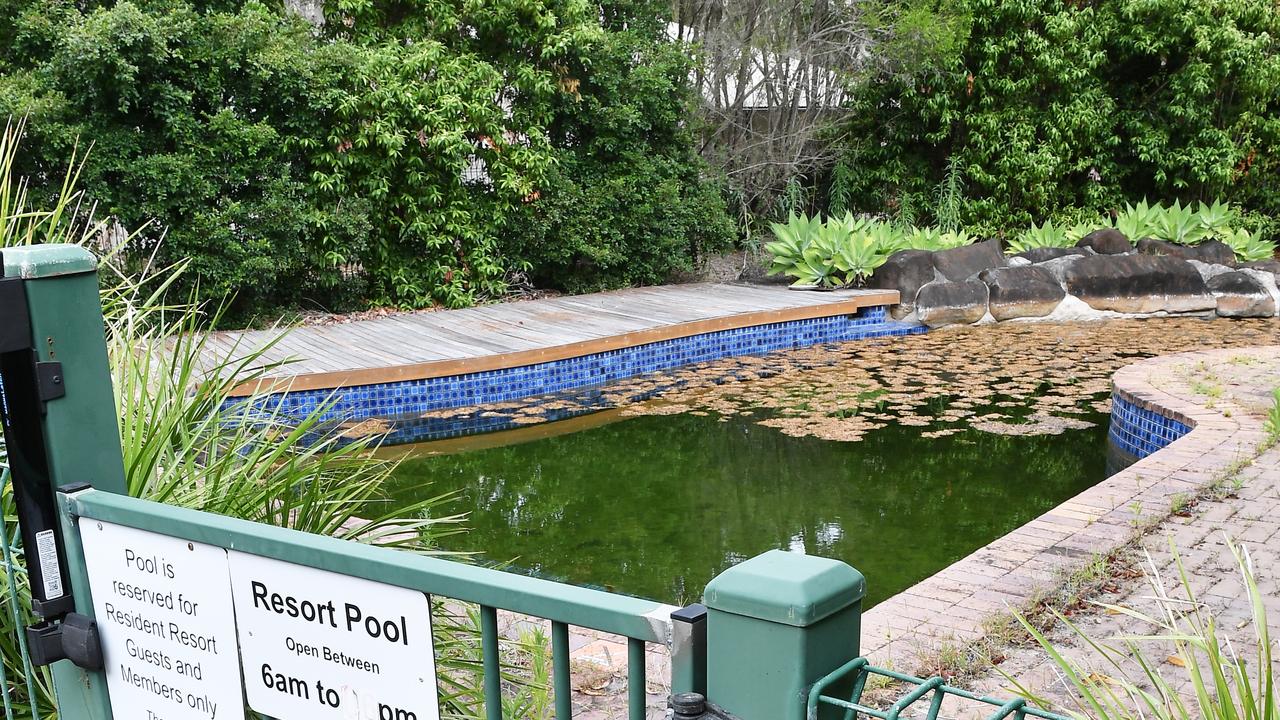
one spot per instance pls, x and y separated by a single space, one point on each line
953 607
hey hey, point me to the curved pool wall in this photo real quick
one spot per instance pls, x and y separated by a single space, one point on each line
1140 428
416 397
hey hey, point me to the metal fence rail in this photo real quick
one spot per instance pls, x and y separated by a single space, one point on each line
860 670
641 621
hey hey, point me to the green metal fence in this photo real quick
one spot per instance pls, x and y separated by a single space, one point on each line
916 689
641 621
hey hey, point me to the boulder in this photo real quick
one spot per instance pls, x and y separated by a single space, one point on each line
1042 254
1016 292
1214 252
905 271
1057 267
966 262
1138 284
1208 271
1107 241
943 302
1240 294
1271 266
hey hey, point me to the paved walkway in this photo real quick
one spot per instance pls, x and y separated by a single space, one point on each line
1236 386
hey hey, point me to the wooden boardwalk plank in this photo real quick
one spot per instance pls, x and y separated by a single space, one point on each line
489 337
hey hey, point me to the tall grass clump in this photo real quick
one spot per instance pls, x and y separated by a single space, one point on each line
1187 667
187 442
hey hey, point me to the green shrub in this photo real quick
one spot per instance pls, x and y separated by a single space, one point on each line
1048 105
353 167
628 200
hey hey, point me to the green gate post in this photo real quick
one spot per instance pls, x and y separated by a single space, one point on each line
776 624
81 431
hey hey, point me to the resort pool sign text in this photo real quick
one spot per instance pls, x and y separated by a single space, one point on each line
192 631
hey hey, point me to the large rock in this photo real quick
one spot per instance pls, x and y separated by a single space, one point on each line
1241 294
1042 254
1208 271
905 271
952 303
1057 267
1138 284
1107 241
1213 252
1270 266
1017 292
966 262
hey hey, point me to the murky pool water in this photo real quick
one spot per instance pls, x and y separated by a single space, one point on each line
899 457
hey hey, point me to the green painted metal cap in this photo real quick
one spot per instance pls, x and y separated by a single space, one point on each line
43 261
786 587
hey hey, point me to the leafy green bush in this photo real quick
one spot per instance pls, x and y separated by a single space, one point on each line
353 166
1049 105
628 200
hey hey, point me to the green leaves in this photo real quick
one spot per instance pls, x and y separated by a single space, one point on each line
1047 106
1046 235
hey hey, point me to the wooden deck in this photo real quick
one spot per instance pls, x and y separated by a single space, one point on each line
491 337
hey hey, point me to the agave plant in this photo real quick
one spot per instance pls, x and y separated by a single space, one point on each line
1046 235
1216 219
1138 221
859 255
1178 224
890 238
792 239
1247 246
954 239
924 238
1077 232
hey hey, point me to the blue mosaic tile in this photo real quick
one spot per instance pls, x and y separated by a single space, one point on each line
415 397
1141 432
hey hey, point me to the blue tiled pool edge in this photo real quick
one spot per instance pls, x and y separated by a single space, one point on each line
1141 431
414 397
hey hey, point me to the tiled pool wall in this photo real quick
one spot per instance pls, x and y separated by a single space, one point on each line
1140 431
415 397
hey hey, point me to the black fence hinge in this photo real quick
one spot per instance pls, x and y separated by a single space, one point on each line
49 381
76 639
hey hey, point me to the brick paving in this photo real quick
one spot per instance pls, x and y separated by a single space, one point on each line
1235 386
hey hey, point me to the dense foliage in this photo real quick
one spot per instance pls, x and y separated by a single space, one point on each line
1049 105
405 155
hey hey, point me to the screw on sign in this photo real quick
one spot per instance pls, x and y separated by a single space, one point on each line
317 644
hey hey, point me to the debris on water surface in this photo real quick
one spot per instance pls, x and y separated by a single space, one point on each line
1008 379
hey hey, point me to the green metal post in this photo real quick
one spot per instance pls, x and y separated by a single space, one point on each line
81 434
776 624
81 429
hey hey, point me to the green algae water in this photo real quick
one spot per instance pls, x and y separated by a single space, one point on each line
656 506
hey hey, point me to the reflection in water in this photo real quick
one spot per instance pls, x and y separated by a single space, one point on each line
657 506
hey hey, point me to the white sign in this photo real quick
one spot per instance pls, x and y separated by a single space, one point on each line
318 645
168 630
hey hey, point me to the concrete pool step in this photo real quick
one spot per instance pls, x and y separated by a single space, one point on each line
417 362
